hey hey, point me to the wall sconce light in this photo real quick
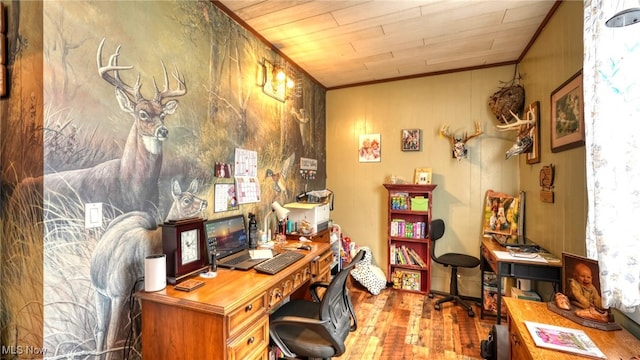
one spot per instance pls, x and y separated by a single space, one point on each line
279 81
624 18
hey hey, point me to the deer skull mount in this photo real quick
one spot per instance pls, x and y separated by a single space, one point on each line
458 144
525 128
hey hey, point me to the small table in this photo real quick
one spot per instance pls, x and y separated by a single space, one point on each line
614 344
521 268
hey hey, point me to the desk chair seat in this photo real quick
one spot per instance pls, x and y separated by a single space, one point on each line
454 260
316 329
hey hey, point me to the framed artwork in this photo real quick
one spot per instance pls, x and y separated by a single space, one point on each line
501 214
533 156
422 176
581 280
369 148
567 115
411 140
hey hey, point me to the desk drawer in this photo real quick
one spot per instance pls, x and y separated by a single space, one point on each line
323 264
287 286
251 344
246 314
490 258
516 343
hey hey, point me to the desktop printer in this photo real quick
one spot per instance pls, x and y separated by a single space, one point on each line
316 214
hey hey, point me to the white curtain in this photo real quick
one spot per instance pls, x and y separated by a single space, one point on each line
611 76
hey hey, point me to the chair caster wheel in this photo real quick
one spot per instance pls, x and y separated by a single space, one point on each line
436 306
471 313
430 296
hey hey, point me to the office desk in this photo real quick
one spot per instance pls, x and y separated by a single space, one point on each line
228 317
614 344
515 268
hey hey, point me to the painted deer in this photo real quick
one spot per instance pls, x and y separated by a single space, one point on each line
130 182
458 144
118 261
525 128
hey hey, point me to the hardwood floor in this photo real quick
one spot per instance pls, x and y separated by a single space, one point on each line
401 325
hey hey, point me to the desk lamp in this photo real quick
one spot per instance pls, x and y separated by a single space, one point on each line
281 213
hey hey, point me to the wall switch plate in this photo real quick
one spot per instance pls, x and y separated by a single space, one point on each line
92 215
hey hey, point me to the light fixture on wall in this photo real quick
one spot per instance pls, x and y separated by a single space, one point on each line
624 18
279 80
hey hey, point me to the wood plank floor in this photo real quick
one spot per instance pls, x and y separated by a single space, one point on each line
401 325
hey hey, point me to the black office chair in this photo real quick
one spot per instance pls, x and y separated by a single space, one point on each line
316 329
454 260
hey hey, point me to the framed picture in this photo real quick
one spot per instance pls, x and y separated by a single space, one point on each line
501 214
369 148
533 156
225 198
581 280
411 140
422 176
567 115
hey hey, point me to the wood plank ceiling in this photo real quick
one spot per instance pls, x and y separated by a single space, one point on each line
348 43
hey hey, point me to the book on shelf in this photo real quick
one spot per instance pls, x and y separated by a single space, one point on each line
405 256
403 228
406 280
559 338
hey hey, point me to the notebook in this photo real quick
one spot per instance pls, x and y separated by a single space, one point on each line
228 237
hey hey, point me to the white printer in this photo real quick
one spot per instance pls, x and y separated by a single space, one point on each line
314 213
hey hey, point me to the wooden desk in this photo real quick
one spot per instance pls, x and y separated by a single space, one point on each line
227 318
614 344
520 268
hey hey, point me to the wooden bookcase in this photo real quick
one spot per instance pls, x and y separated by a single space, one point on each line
409 217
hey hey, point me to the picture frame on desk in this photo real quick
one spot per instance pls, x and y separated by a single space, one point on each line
575 267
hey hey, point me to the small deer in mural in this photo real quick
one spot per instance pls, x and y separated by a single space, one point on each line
118 260
130 182
458 144
525 128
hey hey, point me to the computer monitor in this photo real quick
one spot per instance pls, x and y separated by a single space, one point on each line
229 234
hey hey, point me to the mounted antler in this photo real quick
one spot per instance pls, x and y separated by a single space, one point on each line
459 149
524 140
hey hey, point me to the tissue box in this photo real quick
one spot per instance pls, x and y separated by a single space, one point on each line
419 204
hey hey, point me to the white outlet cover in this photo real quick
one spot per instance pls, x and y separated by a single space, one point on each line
92 215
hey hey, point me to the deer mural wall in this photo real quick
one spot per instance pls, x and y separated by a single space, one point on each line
458 144
118 261
130 182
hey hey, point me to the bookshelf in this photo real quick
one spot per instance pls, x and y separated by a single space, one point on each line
409 216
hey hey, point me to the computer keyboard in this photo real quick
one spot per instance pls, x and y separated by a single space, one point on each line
278 262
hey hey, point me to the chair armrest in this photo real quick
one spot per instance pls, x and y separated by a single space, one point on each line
313 289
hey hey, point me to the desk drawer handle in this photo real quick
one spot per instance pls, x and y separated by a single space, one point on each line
248 308
251 340
514 338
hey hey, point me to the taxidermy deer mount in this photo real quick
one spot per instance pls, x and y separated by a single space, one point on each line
458 148
525 128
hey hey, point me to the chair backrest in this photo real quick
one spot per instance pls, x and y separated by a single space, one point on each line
335 306
436 231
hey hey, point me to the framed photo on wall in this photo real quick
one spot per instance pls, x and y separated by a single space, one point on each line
369 148
567 115
411 140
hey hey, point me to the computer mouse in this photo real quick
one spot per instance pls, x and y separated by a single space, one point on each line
304 247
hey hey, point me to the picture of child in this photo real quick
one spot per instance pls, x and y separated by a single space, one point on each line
581 291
